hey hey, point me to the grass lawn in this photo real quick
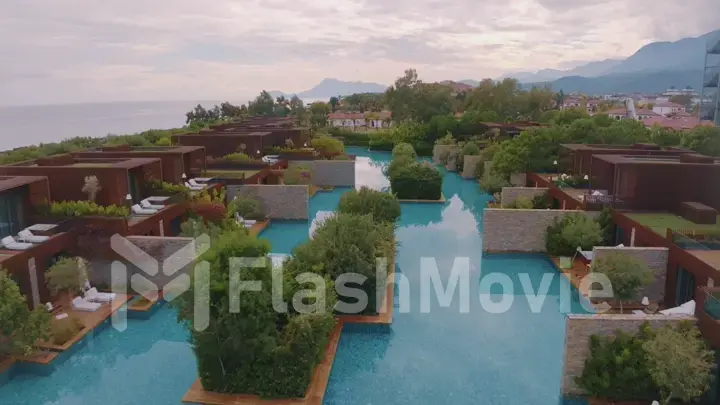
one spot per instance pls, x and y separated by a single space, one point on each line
659 222
231 174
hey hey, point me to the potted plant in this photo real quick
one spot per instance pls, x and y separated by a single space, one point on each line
67 277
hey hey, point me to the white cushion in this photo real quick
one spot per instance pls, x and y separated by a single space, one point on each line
61 316
8 240
78 301
25 233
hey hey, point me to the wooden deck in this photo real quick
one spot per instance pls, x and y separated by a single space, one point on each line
574 275
385 317
313 396
144 305
259 227
90 319
440 201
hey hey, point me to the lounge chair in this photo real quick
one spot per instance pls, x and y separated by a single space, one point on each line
27 236
194 188
202 180
687 308
10 243
247 223
93 295
195 183
145 204
136 209
79 304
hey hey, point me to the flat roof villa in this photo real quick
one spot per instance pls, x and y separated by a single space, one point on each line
66 174
218 144
175 160
658 183
576 158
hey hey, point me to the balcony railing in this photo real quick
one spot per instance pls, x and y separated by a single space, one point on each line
712 303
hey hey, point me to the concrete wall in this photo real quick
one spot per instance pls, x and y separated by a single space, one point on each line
579 328
655 257
470 163
511 230
338 173
510 194
278 201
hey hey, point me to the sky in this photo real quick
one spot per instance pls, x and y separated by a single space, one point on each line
72 51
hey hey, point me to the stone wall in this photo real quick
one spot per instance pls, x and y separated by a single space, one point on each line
510 194
337 173
511 230
469 165
655 257
278 201
439 150
579 328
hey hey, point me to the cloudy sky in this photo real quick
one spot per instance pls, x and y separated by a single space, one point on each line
65 51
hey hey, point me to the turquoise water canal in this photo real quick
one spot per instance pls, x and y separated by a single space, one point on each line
444 355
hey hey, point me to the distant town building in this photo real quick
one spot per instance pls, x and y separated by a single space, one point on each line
352 120
677 123
667 107
622 113
687 91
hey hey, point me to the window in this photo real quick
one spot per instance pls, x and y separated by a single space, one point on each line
12 218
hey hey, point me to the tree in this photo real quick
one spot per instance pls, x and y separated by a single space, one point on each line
91 187
704 140
318 115
384 207
568 233
681 99
264 105
68 275
679 362
20 328
334 102
626 274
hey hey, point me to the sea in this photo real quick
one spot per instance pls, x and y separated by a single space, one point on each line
30 125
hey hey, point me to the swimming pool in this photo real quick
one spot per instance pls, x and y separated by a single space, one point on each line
443 356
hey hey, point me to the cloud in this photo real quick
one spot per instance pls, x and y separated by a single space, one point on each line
83 50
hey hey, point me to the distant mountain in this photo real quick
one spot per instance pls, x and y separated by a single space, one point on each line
637 82
469 82
333 87
685 54
589 70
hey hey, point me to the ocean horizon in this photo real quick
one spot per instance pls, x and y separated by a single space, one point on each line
31 125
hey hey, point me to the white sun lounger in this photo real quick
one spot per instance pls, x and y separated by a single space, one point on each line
146 205
136 209
79 304
247 223
10 243
28 236
93 295
194 188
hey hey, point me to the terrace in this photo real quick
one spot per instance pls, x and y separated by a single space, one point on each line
176 160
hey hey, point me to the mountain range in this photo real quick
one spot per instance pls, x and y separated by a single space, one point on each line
652 69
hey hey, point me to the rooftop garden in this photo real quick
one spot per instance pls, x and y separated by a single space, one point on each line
280 349
660 222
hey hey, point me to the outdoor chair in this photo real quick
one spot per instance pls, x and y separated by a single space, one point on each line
194 188
145 204
93 295
136 209
27 236
79 304
10 243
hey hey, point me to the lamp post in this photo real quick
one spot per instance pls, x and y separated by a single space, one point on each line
128 200
556 168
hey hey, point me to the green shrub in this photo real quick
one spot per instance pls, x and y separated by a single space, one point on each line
423 148
237 157
492 183
296 175
327 145
381 140
86 209
246 207
404 149
62 330
574 230
521 203
542 201
617 367
347 243
256 350
626 274
162 188
417 181
446 140
164 141
607 225
479 170
382 206
67 274
352 138
20 328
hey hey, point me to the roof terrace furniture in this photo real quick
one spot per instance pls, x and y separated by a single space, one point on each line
80 304
698 213
27 236
137 209
145 204
10 243
194 188
158 200
93 295
43 229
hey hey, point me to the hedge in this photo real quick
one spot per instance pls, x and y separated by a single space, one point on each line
256 351
417 181
382 206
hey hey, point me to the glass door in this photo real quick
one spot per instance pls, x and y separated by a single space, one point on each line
12 216
685 286
133 187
